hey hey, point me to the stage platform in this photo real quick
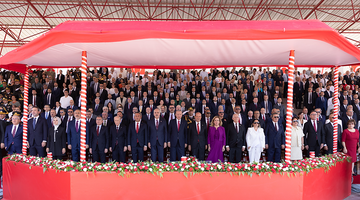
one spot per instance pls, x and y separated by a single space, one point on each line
22 181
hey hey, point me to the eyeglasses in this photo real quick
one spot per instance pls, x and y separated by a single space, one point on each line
221 112
295 121
256 123
208 113
276 117
318 112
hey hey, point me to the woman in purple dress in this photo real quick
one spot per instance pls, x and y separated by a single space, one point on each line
216 140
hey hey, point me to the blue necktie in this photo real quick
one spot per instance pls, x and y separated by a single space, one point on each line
34 123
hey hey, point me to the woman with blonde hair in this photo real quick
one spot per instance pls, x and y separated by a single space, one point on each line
216 140
255 139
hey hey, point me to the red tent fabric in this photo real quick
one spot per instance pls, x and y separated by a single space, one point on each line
149 44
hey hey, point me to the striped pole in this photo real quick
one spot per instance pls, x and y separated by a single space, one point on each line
289 110
83 107
336 107
26 112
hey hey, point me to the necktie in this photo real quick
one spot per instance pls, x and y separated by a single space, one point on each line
137 127
148 116
49 99
264 117
244 108
198 128
276 129
97 130
157 124
77 126
178 125
34 100
96 107
46 115
14 131
208 123
117 130
315 127
266 108
34 123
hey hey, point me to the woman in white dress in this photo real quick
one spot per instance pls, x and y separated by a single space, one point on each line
255 139
297 140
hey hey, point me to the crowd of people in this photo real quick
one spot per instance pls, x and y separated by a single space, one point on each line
213 115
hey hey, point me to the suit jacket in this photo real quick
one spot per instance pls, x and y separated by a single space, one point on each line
38 134
321 104
298 89
194 137
60 136
269 104
254 108
98 111
52 100
306 99
17 140
120 136
282 110
73 136
38 101
174 135
102 140
141 136
234 139
272 137
329 134
160 134
311 135
327 95
345 119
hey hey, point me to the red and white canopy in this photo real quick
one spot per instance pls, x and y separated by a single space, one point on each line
149 44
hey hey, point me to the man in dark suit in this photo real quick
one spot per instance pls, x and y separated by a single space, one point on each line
60 79
309 99
103 93
37 134
56 92
255 105
157 136
99 141
349 115
97 107
266 104
235 139
321 103
34 99
328 94
298 92
177 137
49 99
198 137
73 136
14 136
118 134
314 135
137 138
329 136
274 138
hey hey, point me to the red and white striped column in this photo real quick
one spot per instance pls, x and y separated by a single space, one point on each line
83 107
26 109
336 108
289 105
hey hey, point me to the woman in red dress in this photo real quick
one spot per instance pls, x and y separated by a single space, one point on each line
350 141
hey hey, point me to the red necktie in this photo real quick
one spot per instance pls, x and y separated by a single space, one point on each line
137 127
14 131
117 130
208 123
276 127
97 131
264 117
198 129
157 124
178 125
314 126
34 100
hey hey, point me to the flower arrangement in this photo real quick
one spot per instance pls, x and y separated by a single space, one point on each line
189 167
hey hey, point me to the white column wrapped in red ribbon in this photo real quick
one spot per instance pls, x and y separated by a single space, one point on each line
26 110
289 106
336 107
83 107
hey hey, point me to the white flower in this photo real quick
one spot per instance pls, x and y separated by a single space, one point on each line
85 169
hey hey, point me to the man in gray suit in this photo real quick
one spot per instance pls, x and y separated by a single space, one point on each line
281 107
